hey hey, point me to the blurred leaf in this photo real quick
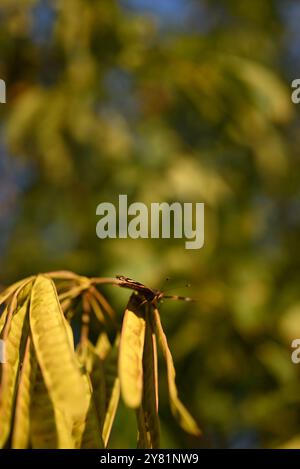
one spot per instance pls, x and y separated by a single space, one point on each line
112 390
180 412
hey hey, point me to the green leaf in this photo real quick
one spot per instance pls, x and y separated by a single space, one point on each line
131 353
182 415
55 355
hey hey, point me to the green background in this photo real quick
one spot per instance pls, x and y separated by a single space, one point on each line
164 100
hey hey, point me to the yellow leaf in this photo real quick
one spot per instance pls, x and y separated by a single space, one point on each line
184 418
112 390
99 388
55 355
15 334
21 429
5 294
131 353
103 345
3 318
87 432
94 373
69 333
97 309
50 427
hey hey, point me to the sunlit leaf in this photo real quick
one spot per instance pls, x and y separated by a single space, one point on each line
14 334
97 309
87 431
5 294
180 412
112 390
131 353
50 426
103 345
93 368
3 318
55 355
21 429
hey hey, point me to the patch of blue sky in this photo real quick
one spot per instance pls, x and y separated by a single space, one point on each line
170 10
290 12
169 14
181 15
120 93
44 16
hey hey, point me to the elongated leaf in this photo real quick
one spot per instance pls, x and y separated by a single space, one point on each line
14 299
97 309
131 353
99 388
147 415
112 390
103 345
5 294
150 361
89 432
15 334
107 310
3 318
71 293
50 427
64 274
55 355
143 437
21 429
184 418
69 333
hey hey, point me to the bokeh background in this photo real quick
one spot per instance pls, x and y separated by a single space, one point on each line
167 100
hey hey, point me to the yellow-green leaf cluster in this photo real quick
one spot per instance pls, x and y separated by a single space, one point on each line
53 396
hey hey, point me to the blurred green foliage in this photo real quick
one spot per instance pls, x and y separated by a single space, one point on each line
105 100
